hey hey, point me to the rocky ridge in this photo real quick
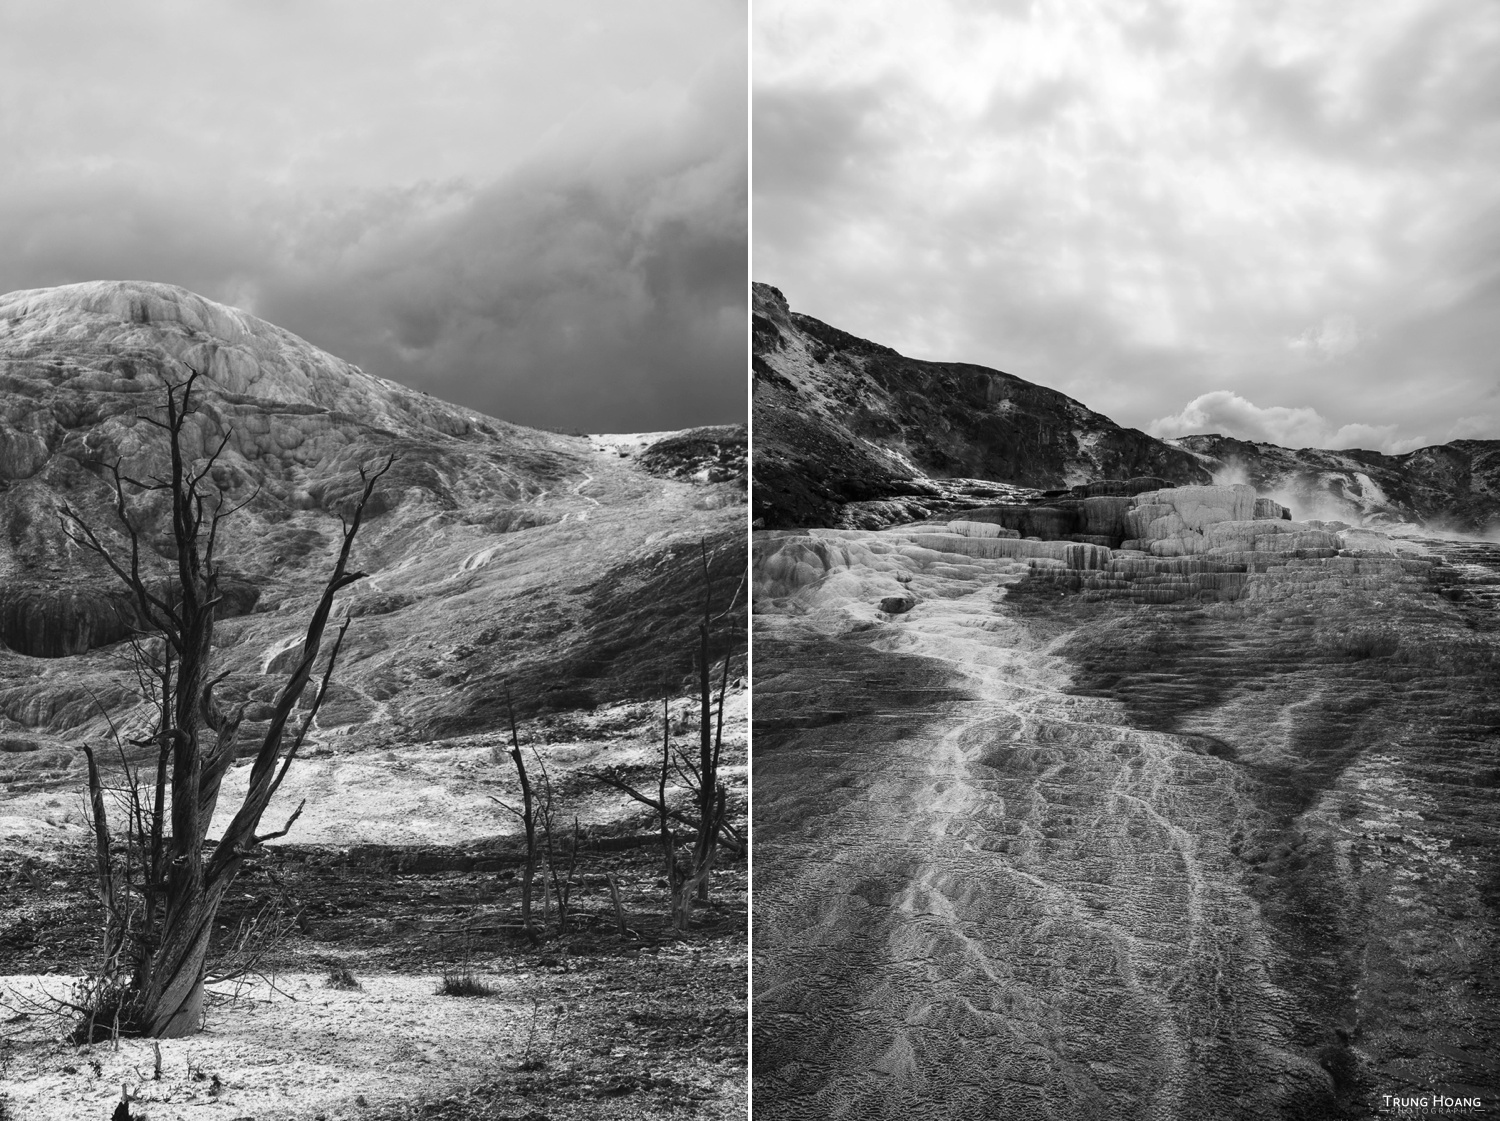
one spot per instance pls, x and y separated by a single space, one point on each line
1197 822
850 433
497 555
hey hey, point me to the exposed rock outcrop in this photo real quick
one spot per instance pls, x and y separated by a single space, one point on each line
51 622
54 620
707 455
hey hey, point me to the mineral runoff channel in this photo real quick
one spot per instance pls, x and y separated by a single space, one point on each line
1200 826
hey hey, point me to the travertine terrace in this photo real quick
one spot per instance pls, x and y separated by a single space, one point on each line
1191 813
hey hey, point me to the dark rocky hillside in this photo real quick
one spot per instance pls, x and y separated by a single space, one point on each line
839 421
851 433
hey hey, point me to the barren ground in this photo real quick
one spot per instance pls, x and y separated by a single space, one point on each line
593 1024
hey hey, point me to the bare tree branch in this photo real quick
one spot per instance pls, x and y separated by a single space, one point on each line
284 830
727 832
262 783
101 855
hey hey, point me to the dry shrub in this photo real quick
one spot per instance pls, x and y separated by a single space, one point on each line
108 1007
463 982
341 977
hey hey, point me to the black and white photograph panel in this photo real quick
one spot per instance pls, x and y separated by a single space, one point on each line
1125 559
373 565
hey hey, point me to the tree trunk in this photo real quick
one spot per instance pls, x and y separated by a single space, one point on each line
701 894
614 896
528 819
694 887
178 1011
172 989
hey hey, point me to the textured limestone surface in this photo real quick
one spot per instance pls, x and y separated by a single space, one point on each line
1041 845
495 554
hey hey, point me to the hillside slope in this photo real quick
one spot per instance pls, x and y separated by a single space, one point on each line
498 555
839 420
850 433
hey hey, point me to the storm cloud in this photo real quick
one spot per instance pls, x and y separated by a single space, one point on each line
536 211
1274 220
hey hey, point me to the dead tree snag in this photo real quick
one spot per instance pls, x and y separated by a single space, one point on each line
160 907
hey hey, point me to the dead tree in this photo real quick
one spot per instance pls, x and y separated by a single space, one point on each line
562 884
536 810
703 780
528 815
160 908
688 873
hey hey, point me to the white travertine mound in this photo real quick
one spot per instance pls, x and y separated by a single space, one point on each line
1224 538
125 338
1071 554
1368 542
1155 522
981 529
800 562
1189 508
841 580
82 375
1198 547
1224 521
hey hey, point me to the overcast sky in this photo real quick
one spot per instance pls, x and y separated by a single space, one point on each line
536 210
1279 220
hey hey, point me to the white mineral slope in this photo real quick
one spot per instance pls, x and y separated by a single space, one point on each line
1017 882
241 354
493 553
438 793
984 890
